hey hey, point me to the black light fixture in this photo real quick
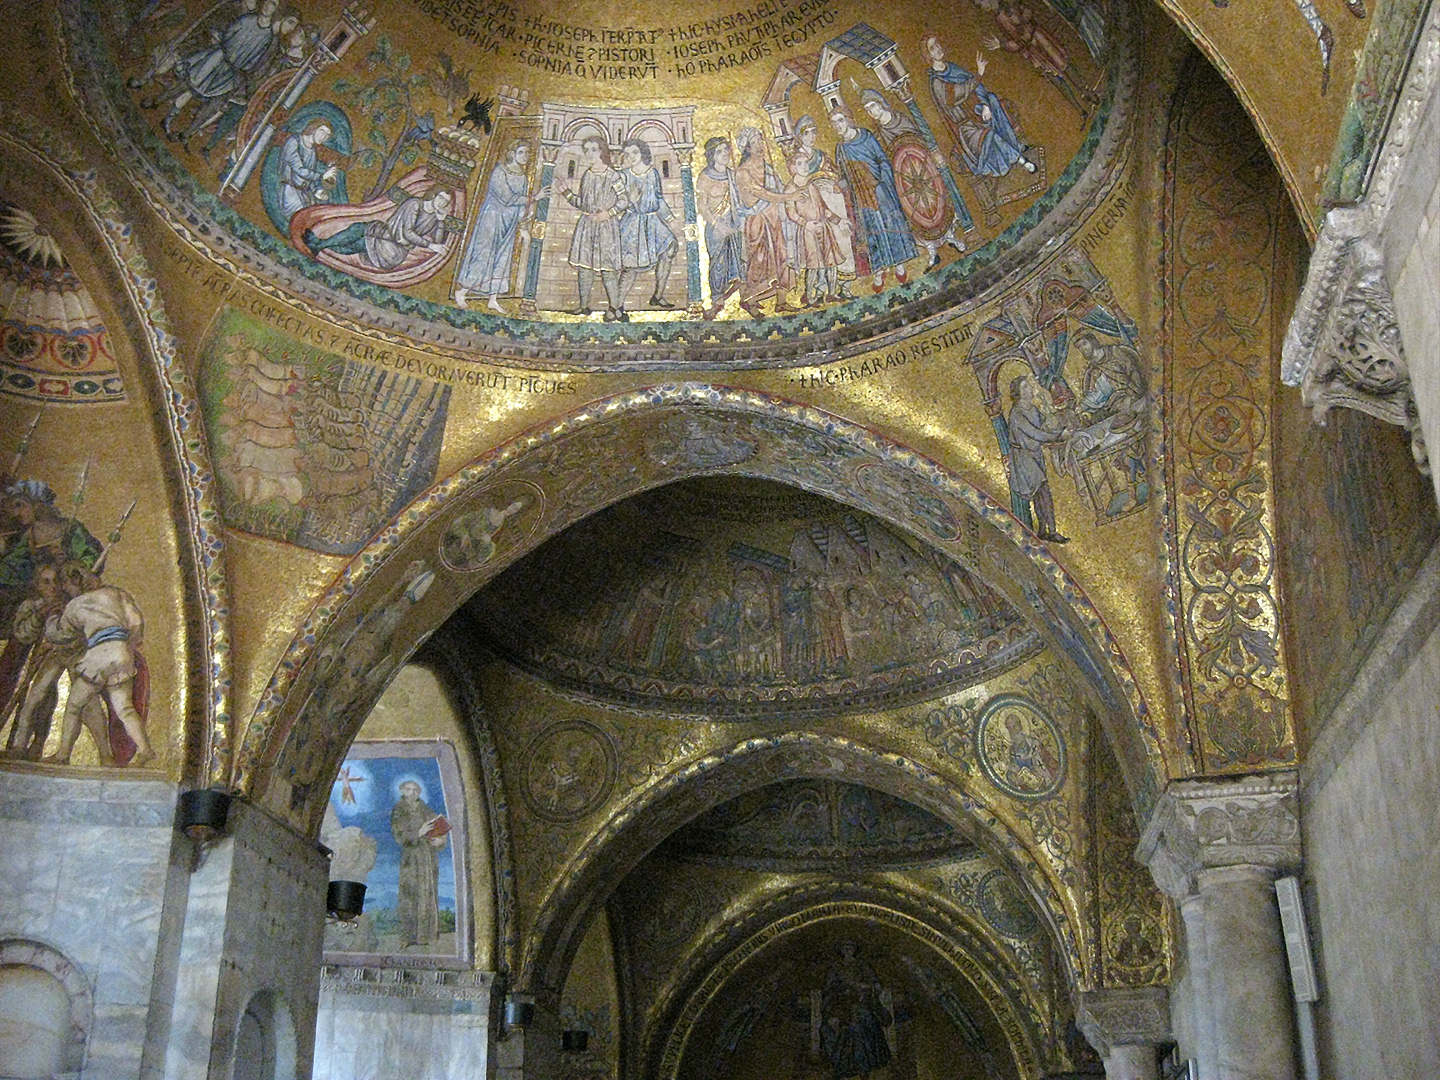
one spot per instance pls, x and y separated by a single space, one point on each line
575 1041
202 813
345 899
519 1013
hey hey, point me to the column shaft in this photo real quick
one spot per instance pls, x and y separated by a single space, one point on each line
1249 991
1132 1062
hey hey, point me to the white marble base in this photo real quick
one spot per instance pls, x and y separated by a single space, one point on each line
388 1024
84 866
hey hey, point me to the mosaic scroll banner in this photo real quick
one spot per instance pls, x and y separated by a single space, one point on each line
396 822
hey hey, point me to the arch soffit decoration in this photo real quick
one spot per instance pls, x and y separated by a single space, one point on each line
682 430
447 651
965 934
636 828
37 149
1023 1039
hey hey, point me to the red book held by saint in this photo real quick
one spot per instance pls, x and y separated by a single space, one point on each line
438 828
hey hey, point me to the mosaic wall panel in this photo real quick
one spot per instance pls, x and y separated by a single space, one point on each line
567 176
1358 520
313 447
396 822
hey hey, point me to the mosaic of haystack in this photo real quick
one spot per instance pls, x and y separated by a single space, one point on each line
734 522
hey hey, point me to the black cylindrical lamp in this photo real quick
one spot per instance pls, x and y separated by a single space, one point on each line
519 1013
345 899
202 813
575 1041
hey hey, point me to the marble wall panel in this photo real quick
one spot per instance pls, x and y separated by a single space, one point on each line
83 869
1371 823
376 1024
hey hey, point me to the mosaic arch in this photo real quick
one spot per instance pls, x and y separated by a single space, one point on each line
449 652
719 942
399 587
513 181
42 165
879 922
732 599
636 828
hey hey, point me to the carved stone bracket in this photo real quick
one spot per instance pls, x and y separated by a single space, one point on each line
1343 348
1124 1017
1201 825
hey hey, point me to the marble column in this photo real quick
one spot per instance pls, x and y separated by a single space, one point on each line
1126 1026
1216 847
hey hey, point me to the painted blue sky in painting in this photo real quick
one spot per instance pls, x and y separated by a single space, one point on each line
373 786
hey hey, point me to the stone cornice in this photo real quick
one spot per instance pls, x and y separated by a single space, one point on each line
431 985
1343 347
1203 824
1124 1017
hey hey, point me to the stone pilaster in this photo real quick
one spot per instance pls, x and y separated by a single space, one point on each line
1127 1028
1216 849
247 933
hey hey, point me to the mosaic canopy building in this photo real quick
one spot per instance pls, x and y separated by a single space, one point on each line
801 540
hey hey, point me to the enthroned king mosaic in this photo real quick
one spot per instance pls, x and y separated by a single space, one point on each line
564 173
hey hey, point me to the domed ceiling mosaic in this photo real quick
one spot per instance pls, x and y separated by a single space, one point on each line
691 177
735 598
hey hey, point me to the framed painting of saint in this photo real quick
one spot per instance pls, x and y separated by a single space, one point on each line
396 822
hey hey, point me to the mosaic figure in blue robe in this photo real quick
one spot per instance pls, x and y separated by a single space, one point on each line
871 177
486 268
646 239
985 136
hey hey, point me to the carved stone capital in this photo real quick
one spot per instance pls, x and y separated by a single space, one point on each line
1124 1017
1343 347
1203 824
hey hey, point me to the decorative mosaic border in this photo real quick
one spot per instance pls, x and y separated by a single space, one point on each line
220 234
22 133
